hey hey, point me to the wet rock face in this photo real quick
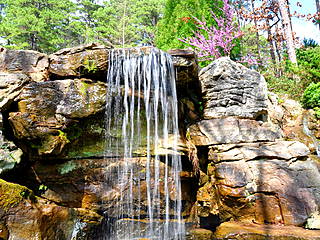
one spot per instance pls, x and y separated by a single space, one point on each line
93 184
230 89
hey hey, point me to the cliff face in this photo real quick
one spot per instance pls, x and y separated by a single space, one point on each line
244 155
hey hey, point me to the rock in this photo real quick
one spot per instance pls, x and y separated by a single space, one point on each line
10 154
90 61
230 89
200 234
268 191
11 85
25 62
230 130
45 110
93 184
249 231
26 217
185 62
313 221
250 151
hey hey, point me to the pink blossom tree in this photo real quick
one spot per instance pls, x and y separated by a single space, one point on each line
212 42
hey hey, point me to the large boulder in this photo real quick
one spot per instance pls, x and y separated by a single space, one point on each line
27 217
230 89
230 130
46 109
93 184
31 63
89 61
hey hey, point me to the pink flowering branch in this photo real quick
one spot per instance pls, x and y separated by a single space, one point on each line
211 42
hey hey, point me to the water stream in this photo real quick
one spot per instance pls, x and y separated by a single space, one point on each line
143 195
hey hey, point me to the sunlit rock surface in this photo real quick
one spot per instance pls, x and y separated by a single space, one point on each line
31 63
252 161
230 89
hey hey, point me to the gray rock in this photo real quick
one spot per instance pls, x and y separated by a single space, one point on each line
230 89
185 62
280 149
230 130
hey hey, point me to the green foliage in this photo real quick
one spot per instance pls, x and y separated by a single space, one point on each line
317 112
49 25
309 60
41 25
90 65
178 21
311 96
43 188
294 79
127 22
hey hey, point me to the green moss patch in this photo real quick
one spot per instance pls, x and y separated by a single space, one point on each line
12 194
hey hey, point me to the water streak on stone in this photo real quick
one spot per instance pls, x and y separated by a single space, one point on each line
141 113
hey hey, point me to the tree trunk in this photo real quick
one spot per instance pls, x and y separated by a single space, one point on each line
318 11
285 17
256 29
270 40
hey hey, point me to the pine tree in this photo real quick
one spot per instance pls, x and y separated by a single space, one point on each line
40 25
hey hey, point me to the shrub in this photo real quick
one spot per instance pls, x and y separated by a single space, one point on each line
311 96
309 60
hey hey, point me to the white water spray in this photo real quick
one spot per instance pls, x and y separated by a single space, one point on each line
143 186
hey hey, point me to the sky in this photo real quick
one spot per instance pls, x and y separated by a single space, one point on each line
304 29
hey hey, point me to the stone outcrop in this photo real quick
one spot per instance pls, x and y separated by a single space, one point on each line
230 89
237 231
248 171
31 63
41 219
253 178
230 130
89 60
46 109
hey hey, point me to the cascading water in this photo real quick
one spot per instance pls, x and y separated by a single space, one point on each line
142 184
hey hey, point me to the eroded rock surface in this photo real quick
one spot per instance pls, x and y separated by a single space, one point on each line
89 60
31 63
26 217
230 89
230 130
46 109
237 231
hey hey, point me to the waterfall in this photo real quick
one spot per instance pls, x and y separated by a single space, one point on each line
143 192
